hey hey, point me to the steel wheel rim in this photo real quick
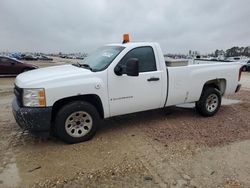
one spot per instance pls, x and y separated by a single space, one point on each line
78 124
212 102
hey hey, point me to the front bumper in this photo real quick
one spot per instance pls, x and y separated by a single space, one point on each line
36 120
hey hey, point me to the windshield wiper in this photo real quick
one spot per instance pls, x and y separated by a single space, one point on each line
86 66
83 65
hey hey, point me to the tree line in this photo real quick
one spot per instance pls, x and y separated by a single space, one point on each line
234 51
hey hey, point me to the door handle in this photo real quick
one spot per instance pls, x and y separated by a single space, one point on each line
153 79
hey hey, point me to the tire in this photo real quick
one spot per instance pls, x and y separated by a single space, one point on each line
76 122
209 103
244 68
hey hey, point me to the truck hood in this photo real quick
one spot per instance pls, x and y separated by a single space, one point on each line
40 77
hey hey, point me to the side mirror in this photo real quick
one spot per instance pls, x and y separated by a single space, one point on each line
118 70
132 67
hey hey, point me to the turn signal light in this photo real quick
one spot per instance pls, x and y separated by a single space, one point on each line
42 102
41 93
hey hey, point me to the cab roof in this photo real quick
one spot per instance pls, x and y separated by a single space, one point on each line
133 44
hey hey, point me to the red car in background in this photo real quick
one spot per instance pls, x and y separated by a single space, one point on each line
11 67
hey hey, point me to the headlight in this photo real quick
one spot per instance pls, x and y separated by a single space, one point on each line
34 97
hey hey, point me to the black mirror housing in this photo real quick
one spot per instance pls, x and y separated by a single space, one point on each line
132 67
118 70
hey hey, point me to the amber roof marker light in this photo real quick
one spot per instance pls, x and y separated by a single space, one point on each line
125 38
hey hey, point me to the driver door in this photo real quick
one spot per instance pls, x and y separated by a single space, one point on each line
128 94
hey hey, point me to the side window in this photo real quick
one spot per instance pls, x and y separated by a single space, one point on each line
146 58
13 62
3 60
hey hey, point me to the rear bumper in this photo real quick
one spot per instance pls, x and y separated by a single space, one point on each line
238 88
36 120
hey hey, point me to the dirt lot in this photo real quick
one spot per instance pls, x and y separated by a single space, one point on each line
149 149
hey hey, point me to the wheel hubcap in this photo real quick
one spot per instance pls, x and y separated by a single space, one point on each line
212 102
78 124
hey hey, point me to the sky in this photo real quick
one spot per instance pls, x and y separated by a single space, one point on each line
81 25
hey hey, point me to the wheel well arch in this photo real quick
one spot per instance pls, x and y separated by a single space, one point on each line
219 84
91 98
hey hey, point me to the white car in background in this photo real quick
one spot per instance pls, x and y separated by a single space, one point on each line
242 60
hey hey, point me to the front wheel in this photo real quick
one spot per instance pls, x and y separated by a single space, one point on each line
77 122
209 103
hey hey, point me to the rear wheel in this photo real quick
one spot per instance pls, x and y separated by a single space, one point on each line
244 68
209 103
77 122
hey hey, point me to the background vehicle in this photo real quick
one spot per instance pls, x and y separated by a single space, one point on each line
44 58
116 79
241 60
9 66
246 67
28 57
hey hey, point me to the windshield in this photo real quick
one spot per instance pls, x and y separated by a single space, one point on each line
102 57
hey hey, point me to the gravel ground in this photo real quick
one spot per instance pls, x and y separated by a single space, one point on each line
177 148
229 125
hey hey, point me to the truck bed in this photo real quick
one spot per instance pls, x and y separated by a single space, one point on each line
185 83
175 62
184 62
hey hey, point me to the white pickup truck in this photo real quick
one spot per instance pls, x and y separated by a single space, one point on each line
70 100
